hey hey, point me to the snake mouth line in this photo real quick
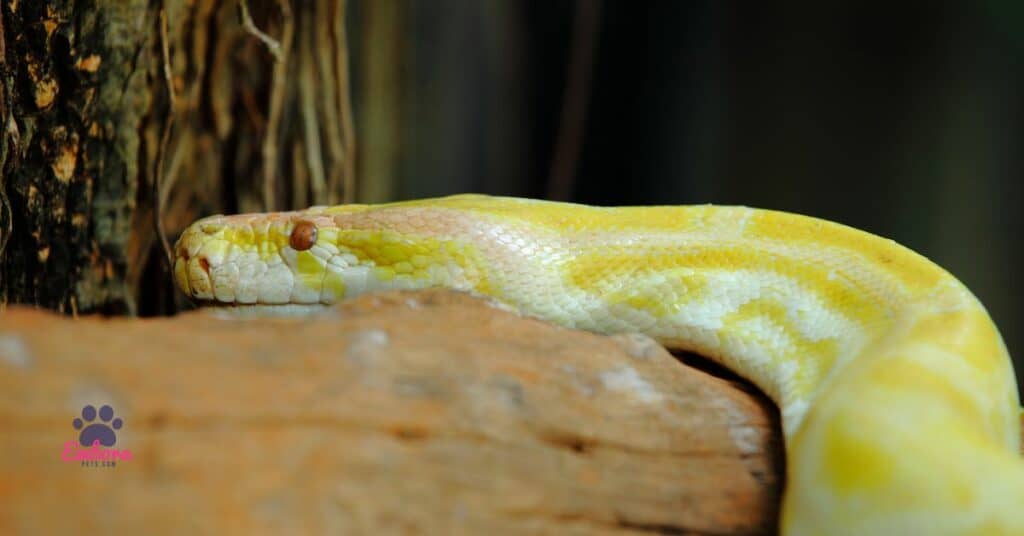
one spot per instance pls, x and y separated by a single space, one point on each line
245 310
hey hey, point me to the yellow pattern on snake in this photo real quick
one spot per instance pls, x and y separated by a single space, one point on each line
898 398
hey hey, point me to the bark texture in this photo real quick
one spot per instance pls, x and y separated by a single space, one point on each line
113 110
73 98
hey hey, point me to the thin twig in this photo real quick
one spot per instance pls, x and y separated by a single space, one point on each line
253 113
345 103
277 88
327 102
5 205
575 99
182 145
272 45
300 176
165 137
7 119
11 139
307 104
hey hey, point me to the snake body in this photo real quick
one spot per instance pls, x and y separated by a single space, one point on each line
898 400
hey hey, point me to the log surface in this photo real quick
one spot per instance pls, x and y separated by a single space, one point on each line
407 412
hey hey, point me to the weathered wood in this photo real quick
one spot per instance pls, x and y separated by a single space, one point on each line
420 413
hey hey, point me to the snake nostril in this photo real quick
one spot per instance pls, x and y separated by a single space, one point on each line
205 265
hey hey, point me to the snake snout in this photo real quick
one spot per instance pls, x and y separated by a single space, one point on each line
193 271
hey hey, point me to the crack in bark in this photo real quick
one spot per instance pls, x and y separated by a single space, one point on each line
585 445
624 524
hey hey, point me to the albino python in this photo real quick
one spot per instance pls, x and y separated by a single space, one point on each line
898 399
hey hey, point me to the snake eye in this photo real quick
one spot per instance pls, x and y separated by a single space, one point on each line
303 236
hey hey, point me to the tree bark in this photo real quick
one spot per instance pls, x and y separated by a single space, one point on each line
101 129
74 97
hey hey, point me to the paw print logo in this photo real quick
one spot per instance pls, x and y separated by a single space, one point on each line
97 431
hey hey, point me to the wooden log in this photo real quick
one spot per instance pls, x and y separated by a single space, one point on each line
408 412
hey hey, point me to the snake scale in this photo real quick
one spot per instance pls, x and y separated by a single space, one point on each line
898 400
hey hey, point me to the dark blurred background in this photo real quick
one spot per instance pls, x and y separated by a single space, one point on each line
125 122
903 119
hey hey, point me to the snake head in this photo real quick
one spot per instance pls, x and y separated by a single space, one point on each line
260 259
315 257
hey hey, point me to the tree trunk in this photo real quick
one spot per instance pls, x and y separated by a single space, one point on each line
102 128
74 103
